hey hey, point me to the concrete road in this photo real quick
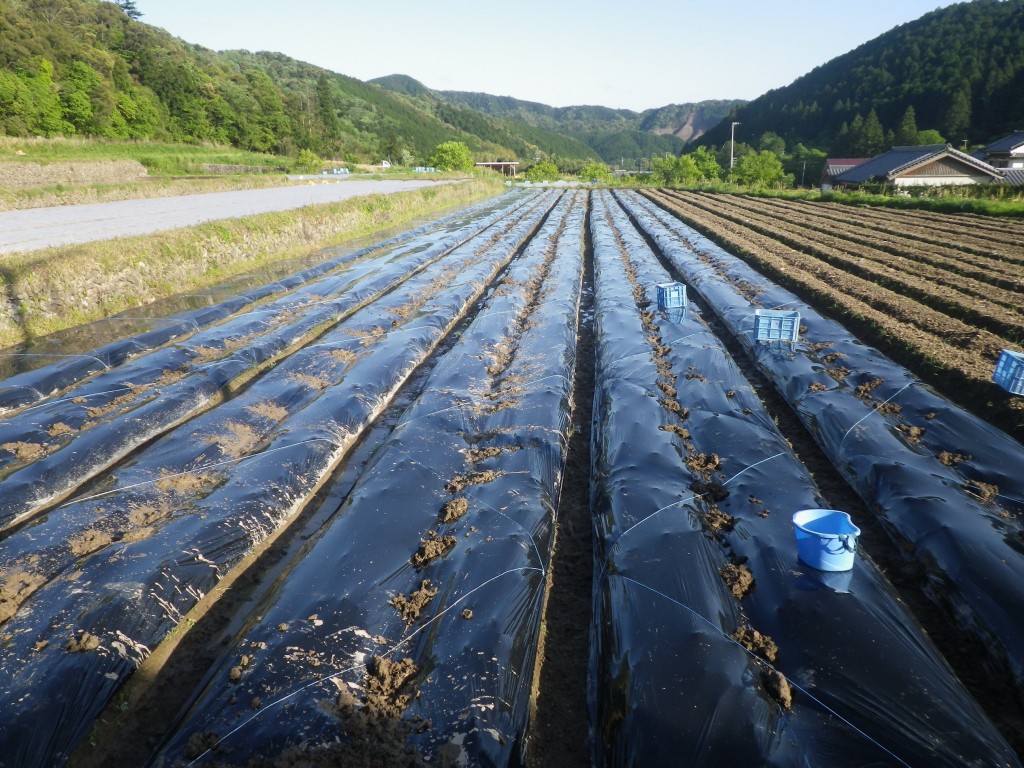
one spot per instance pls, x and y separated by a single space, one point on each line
37 228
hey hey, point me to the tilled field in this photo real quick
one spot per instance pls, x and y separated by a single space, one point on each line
449 499
942 294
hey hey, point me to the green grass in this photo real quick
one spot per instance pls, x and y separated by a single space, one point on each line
1002 202
58 288
159 158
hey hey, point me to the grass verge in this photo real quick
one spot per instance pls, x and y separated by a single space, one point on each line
57 288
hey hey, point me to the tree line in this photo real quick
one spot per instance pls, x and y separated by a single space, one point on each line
91 68
958 71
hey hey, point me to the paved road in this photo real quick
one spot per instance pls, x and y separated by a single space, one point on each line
37 228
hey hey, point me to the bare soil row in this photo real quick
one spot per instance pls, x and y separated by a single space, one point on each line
933 332
891 262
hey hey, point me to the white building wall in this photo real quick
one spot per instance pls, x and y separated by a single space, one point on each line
939 181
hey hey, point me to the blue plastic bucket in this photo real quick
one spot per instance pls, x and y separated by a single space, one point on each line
826 539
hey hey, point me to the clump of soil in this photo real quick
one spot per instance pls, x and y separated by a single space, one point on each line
24 451
713 489
695 375
388 686
778 688
839 373
703 463
983 491
460 482
737 578
675 429
454 509
238 440
718 522
200 743
951 459
146 514
88 542
84 641
343 355
476 455
185 484
913 434
410 607
15 588
673 406
760 645
890 408
817 387
60 429
864 390
313 382
431 548
269 410
371 740
366 338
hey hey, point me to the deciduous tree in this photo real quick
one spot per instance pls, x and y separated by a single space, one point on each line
452 156
760 169
545 170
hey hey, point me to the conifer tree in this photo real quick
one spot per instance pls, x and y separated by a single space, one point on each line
906 134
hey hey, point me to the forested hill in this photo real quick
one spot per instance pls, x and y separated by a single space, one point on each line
90 68
612 133
957 71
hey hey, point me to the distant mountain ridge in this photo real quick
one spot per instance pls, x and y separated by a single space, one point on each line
613 133
85 67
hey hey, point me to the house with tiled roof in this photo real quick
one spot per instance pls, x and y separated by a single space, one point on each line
1007 152
925 165
835 166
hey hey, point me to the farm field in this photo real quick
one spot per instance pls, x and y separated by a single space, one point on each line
446 499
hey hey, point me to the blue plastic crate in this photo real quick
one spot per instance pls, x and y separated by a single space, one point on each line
671 295
776 325
1009 373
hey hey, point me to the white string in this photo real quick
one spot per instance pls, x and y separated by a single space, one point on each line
212 465
48 354
870 413
667 344
685 501
481 502
802 690
354 667
48 403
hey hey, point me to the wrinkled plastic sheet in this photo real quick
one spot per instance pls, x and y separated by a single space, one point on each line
94 424
668 684
159 533
37 381
503 390
973 549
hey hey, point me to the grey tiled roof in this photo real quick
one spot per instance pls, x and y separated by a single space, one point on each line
1014 176
1004 144
898 159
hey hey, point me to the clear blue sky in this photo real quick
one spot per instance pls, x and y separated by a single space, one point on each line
637 55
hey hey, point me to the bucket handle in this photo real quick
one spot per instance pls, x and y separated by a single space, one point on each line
846 542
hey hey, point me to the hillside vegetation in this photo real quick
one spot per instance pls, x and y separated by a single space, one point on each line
87 68
957 72
93 69
614 135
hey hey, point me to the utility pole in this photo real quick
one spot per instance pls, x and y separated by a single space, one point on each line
732 144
